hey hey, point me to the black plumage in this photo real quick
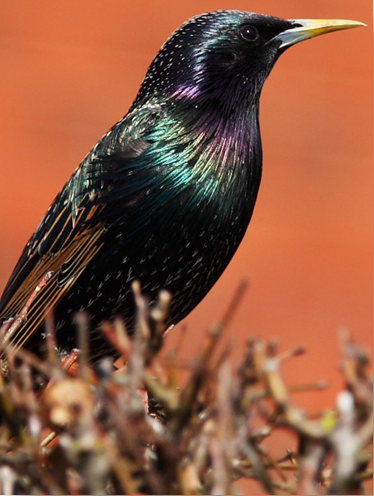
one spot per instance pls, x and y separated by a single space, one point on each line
166 195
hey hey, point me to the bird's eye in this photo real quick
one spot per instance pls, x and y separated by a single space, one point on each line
249 33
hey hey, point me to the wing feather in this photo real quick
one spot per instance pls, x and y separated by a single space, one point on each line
70 234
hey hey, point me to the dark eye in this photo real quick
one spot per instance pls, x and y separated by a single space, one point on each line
249 33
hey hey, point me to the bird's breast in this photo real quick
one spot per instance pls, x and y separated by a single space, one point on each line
183 228
180 240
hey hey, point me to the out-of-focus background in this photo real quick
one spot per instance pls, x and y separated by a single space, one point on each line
69 70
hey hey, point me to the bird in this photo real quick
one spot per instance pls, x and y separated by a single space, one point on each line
166 195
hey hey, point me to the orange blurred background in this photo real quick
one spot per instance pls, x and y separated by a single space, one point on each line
69 70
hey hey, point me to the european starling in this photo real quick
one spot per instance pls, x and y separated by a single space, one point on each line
166 195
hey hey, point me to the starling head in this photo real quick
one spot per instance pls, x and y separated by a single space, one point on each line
226 53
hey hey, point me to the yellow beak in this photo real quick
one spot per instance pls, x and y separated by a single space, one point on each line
309 28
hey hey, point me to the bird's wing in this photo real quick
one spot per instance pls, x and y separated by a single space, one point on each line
69 235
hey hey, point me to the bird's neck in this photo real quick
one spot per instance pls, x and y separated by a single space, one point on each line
224 152
225 129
